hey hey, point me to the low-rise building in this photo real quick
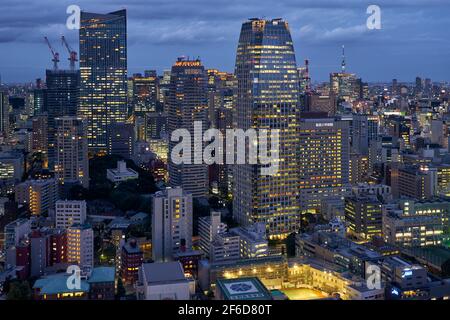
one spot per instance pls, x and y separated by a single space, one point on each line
121 173
241 289
163 281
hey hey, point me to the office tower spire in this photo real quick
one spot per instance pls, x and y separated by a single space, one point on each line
343 59
267 98
103 68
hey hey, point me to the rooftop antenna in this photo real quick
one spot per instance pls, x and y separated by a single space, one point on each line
343 59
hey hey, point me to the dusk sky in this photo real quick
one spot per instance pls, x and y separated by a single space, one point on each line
413 40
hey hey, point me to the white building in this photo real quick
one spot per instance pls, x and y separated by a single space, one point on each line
163 281
69 212
121 173
252 240
80 245
171 223
240 243
208 228
224 247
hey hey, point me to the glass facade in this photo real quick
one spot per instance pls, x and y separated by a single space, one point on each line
103 69
62 99
268 98
187 103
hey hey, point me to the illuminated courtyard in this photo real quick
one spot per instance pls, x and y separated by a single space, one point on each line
304 294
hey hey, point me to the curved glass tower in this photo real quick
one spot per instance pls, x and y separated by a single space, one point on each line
268 98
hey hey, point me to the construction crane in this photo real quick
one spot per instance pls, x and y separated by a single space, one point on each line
72 53
54 54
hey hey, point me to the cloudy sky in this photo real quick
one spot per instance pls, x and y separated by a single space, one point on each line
413 40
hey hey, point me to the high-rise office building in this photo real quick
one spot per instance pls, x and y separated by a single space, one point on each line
62 98
344 86
187 103
268 98
145 93
4 113
364 216
72 163
39 98
40 134
324 162
155 125
103 69
365 130
222 105
171 223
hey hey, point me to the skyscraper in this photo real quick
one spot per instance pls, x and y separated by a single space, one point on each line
72 163
103 68
62 98
4 113
145 93
324 162
187 103
268 98
40 134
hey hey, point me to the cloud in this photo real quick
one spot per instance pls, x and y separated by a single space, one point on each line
159 28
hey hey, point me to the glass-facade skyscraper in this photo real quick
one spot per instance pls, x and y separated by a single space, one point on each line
268 98
62 99
103 69
187 103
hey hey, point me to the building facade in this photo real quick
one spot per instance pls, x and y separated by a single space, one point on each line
103 70
267 98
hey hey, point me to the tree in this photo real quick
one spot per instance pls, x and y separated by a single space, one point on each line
290 245
19 291
121 292
445 269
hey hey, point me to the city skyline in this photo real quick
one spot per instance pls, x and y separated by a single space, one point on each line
275 178
411 34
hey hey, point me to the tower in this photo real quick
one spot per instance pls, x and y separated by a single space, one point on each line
187 103
103 69
268 98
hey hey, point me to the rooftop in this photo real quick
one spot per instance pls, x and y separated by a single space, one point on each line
57 283
163 272
243 289
102 274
